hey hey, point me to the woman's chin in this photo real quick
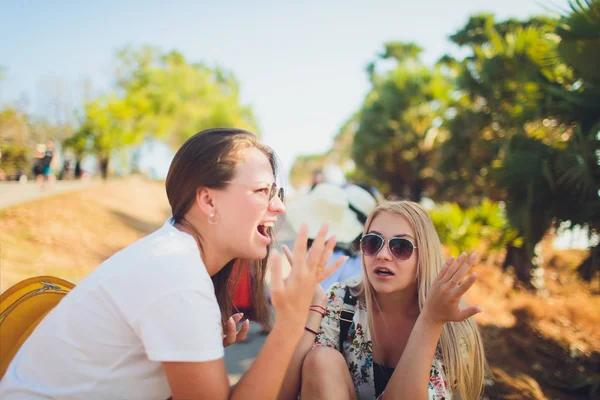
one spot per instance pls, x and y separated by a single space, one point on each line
384 286
255 250
257 253
391 287
383 289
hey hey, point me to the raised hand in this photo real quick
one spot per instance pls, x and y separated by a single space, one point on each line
319 296
443 301
292 297
230 335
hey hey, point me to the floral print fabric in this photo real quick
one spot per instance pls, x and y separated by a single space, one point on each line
358 350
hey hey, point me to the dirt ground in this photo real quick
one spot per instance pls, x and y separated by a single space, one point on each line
539 346
70 234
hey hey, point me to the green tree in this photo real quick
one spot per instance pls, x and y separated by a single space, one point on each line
172 99
162 96
498 92
110 124
80 143
550 181
15 142
397 136
502 114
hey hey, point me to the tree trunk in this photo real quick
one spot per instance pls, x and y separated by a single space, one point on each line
397 188
104 167
416 190
78 172
591 265
518 259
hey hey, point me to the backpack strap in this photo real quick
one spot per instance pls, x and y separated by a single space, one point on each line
346 316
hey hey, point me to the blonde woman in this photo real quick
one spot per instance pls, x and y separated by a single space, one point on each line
400 332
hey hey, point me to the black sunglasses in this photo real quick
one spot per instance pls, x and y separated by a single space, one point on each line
401 248
276 191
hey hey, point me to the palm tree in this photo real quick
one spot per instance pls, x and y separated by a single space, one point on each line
551 181
397 137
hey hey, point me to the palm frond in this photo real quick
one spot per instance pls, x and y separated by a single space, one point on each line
580 38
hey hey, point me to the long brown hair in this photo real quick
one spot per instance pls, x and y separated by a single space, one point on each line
208 159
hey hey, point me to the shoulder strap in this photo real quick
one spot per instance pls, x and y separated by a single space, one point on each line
346 316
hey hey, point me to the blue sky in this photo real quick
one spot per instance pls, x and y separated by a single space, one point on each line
301 66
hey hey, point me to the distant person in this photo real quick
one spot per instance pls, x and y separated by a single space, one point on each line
68 171
317 178
46 165
49 161
78 170
22 176
399 331
38 165
2 173
152 321
345 211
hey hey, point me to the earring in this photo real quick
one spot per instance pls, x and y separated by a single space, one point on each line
213 219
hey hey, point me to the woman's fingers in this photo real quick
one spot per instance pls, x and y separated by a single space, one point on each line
449 277
327 253
241 335
467 313
229 332
300 245
237 317
465 285
445 269
330 269
288 255
464 268
317 248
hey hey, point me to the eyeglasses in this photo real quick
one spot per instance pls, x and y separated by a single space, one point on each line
276 191
401 248
273 190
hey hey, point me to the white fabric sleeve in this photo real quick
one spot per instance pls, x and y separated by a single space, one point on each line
182 326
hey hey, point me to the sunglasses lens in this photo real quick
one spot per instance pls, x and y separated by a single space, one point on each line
370 244
281 194
401 248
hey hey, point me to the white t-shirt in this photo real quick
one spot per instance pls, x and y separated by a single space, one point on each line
152 301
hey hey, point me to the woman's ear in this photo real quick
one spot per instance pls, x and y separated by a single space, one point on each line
205 201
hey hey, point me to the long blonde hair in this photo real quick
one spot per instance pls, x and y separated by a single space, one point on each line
460 342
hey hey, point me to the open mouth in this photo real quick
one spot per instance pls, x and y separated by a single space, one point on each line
265 229
382 271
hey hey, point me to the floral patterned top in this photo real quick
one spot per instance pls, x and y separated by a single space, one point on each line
358 350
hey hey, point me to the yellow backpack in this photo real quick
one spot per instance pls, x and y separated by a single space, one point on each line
22 307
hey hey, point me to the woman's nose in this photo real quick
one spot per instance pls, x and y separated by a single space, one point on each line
384 253
276 205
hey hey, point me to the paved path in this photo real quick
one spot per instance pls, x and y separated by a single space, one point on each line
239 357
12 193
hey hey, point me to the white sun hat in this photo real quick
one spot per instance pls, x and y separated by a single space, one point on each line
360 201
326 203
